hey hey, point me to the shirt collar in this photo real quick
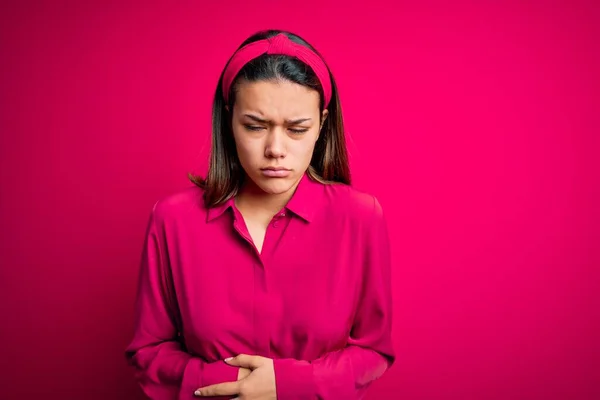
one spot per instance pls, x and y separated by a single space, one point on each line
217 211
304 201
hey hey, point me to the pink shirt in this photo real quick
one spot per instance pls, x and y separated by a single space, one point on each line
316 299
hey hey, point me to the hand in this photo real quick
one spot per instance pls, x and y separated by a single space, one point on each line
259 385
243 373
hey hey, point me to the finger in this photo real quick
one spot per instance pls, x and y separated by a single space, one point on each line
220 389
245 361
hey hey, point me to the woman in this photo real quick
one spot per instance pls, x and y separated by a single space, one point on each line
270 278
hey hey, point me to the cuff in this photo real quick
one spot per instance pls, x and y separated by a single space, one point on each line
198 374
218 372
293 379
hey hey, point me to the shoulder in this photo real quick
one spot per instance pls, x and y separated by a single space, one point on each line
352 202
179 204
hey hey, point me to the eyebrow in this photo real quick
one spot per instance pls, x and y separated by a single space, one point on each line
287 121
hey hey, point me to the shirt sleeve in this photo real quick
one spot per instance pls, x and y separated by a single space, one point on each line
347 373
163 369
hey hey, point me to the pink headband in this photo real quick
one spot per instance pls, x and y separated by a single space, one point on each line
279 44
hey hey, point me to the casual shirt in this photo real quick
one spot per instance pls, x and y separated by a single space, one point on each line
316 299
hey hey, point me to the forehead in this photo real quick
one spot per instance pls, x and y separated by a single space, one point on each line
276 98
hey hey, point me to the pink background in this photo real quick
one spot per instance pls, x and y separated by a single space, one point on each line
476 124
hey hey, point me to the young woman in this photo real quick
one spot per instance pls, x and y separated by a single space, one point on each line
269 278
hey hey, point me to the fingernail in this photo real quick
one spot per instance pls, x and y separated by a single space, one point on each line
229 359
198 393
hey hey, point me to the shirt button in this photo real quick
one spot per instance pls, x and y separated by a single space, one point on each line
275 224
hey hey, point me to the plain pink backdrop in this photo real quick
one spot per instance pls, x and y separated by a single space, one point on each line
476 125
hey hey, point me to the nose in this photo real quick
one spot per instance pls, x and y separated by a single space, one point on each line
275 144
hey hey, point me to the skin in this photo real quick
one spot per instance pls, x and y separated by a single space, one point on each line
275 124
259 384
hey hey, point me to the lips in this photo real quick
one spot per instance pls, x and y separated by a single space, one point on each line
275 169
275 172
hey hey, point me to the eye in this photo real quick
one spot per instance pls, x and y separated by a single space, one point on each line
253 128
298 131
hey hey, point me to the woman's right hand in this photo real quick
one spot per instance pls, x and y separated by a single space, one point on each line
243 373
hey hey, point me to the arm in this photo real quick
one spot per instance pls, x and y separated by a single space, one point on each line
347 373
164 370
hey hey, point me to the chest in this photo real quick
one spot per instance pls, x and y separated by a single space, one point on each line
300 297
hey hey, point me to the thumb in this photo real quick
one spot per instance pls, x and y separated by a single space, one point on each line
245 361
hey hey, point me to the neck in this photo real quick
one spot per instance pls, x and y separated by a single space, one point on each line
252 198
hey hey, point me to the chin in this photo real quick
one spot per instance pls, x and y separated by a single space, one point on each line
276 185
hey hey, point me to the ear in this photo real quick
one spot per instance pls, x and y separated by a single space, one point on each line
227 108
323 118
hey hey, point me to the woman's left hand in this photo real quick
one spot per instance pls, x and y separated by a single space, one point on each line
259 385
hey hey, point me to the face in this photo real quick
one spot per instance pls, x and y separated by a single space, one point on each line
275 127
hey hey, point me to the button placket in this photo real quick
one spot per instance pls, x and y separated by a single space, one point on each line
274 232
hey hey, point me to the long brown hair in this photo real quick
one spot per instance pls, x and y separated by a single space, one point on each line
329 163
